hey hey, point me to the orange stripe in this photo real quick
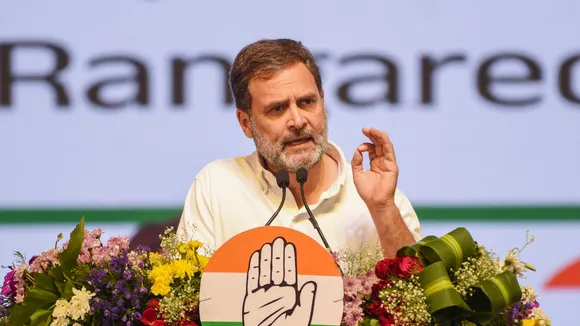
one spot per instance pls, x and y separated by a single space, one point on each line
234 255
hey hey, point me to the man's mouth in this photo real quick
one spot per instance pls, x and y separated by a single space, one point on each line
298 141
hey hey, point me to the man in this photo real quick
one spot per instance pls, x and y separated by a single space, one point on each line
280 105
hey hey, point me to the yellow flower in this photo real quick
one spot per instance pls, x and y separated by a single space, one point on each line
189 250
160 288
155 259
181 268
161 276
202 261
195 244
529 322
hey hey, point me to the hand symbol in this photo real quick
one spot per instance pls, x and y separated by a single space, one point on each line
272 295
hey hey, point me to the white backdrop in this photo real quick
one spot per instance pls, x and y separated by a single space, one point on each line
461 148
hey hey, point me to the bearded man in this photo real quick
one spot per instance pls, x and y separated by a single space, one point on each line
280 105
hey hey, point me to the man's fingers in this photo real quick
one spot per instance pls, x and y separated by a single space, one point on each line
367 147
356 163
388 148
371 133
290 264
265 265
278 261
370 148
253 272
383 143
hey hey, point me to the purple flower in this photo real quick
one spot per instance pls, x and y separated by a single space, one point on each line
9 286
120 293
32 260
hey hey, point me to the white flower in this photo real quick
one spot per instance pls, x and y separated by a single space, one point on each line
60 310
59 322
513 264
79 304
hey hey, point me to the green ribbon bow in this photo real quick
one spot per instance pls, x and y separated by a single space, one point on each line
439 257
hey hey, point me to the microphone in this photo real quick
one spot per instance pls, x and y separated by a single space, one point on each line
283 180
301 177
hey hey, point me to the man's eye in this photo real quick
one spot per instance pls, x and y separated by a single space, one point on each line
307 101
277 108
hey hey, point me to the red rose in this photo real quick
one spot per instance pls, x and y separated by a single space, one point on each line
387 320
376 309
149 316
406 265
381 269
159 323
188 323
153 303
386 267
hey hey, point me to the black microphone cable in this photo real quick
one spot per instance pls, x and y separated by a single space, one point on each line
283 180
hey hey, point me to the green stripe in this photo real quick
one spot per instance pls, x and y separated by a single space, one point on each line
425 213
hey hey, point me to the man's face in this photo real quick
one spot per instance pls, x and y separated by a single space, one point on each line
288 121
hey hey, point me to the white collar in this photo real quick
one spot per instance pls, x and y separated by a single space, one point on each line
268 180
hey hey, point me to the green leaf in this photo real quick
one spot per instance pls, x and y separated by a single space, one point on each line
60 286
39 297
48 321
20 314
496 294
441 255
442 298
452 249
45 282
68 258
67 294
40 317
57 274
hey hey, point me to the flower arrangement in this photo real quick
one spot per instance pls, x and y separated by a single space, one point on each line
86 282
451 280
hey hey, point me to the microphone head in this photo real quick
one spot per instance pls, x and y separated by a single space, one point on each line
301 175
283 178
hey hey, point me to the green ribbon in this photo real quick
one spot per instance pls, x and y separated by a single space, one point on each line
440 257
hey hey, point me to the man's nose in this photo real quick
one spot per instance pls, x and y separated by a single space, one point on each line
297 119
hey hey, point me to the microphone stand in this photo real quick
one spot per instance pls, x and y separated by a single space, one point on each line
301 177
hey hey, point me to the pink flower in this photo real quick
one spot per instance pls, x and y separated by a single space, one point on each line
20 282
352 314
115 246
367 282
352 286
44 262
337 257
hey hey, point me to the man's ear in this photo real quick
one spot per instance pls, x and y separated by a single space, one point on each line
244 121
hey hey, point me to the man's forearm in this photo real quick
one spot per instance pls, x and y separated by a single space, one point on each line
392 230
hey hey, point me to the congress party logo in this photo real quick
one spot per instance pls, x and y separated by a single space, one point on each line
271 276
